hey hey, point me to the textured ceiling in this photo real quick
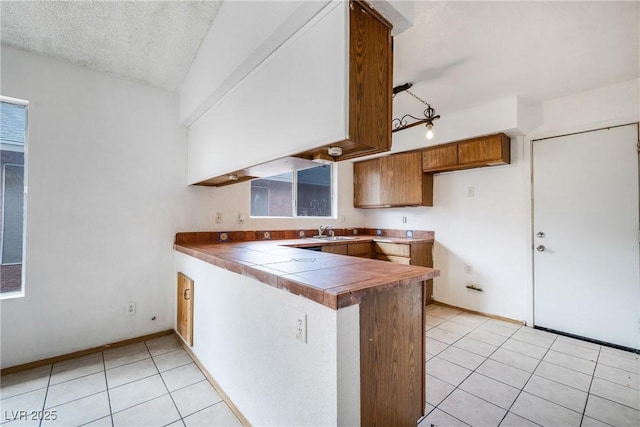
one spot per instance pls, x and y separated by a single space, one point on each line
153 42
458 53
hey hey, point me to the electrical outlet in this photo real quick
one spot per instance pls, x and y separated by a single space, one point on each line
240 218
344 219
301 326
468 269
218 217
404 219
131 307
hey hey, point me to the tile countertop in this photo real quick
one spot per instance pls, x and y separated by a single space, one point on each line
335 281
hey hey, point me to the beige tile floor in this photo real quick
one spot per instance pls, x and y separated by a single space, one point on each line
485 372
152 383
480 372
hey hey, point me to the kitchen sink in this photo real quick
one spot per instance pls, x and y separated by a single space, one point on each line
332 238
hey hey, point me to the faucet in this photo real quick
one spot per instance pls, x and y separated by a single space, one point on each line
322 229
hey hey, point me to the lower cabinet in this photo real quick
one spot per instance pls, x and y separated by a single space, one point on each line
335 249
185 308
418 253
362 250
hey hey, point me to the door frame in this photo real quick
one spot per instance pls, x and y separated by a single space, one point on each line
529 140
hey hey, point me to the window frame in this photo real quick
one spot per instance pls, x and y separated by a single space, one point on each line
294 196
25 104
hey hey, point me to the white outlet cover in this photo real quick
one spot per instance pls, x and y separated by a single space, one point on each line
301 326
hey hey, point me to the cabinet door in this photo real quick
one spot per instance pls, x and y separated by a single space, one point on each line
402 179
366 183
370 79
185 308
362 250
484 151
440 158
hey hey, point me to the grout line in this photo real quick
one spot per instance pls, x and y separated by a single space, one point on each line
527 382
165 386
46 394
106 381
471 373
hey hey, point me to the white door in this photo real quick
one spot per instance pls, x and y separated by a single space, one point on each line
586 250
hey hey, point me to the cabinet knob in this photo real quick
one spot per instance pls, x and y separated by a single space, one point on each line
540 248
540 234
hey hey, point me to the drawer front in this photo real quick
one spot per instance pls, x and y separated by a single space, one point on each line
359 249
394 259
395 249
335 249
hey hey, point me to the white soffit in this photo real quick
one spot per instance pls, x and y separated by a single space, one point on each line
152 42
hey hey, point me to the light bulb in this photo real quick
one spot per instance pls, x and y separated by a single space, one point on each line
429 131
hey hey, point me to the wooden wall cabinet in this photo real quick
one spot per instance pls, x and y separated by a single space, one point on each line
185 308
330 85
370 85
471 153
415 253
395 180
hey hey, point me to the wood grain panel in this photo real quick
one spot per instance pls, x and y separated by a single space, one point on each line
362 250
366 183
440 157
397 249
392 364
403 185
488 150
370 85
422 255
185 308
394 259
335 249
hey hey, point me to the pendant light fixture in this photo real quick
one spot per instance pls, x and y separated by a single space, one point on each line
403 123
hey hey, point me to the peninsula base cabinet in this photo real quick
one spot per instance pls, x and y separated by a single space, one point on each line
366 361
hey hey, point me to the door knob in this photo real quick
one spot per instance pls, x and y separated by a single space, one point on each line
540 248
540 234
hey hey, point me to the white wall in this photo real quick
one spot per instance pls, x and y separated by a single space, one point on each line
106 176
245 335
492 230
254 30
234 199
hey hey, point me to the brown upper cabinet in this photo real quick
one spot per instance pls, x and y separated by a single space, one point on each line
395 180
370 85
471 153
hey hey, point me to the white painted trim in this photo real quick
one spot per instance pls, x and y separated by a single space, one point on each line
15 101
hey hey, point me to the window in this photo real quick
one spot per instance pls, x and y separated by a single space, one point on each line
13 126
303 193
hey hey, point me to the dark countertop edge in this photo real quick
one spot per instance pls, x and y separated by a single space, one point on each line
336 297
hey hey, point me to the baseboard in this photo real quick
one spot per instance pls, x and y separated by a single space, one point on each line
213 382
492 316
63 357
